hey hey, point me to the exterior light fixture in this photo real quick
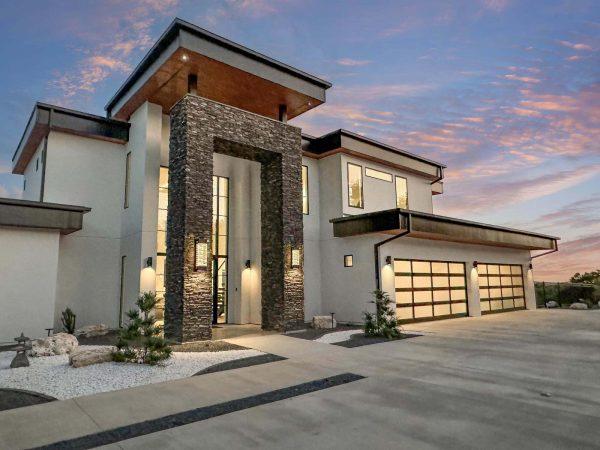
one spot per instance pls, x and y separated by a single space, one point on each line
388 260
149 261
531 265
247 264
184 57
295 258
200 255
475 263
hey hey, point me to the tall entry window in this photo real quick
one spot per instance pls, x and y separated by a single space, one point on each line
305 205
161 243
427 290
401 193
355 186
220 233
500 287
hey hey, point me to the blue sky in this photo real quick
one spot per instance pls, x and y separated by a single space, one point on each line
506 93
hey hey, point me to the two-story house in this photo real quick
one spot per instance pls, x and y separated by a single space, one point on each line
195 186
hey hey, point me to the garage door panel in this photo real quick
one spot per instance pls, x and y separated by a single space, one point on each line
500 287
433 289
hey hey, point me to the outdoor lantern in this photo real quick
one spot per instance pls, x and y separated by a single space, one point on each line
295 256
474 263
149 261
531 265
200 255
388 260
247 264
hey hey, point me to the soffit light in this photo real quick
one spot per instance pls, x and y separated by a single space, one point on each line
295 259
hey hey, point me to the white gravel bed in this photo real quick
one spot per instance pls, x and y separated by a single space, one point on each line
52 375
337 336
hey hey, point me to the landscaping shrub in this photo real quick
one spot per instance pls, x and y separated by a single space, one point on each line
383 323
68 318
140 341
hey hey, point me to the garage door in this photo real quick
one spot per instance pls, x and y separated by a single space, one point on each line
428 290
500 287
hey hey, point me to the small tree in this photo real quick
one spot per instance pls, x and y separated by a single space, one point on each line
383 323
68 320
140 341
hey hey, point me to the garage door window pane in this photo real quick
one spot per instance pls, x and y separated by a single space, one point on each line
441 310
423 311
517 270
457 268
441 296
403 282
421 267
457 281
459 308
458 294
493 269
402 266
422 296
421 282
519 302
439 267
440 282
485 306
403 297
404 313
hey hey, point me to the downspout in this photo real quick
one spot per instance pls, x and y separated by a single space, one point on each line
379 244
439 177
555 249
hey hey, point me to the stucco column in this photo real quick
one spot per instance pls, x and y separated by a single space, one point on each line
473 290
530 301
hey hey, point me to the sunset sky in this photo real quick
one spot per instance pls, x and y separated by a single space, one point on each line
505 93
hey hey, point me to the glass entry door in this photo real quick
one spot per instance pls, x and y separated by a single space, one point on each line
220 247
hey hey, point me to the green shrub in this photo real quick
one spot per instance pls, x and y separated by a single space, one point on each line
140 341
68 320
383 323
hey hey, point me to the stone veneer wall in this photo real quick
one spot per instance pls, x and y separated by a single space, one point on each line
200 127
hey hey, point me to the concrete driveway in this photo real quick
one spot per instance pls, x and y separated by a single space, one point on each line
526 379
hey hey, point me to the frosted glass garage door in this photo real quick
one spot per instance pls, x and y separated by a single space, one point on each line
427 290
500 287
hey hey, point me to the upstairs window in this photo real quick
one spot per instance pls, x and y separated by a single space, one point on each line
127 180
384 176
355 186
305 190
401 193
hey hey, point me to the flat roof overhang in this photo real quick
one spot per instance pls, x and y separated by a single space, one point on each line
430 226
45 118
353 144
227 73
40 215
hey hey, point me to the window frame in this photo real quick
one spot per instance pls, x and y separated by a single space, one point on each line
305 194
396 190
127 180
351 261
391 180
362 198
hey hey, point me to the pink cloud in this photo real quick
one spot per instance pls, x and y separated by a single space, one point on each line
352 62
576 46
578 255
474 119
514 77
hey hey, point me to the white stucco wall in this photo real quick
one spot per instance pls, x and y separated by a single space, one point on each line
347 292
312 243
33 175
379 195
88 172
28 270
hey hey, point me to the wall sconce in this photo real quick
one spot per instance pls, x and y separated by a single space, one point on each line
475 263
531 265
388 260
149 261
295 258
247 264
200 255
348 261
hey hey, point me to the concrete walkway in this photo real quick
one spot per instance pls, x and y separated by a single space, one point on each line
517 380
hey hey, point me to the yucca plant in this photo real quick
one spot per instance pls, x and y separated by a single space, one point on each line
140 341
68 318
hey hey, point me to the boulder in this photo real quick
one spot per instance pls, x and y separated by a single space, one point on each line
86 356
57 344
92 330
578 305
323 322
552 304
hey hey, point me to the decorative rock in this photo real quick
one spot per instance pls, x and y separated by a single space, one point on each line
57 344
578 306
92 330
552 304
82 356
323 322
